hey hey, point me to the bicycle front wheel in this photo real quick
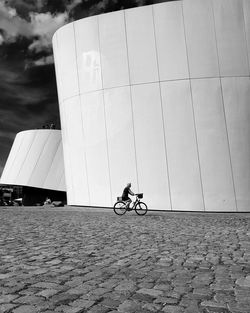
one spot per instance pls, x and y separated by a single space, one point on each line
141 208
120 208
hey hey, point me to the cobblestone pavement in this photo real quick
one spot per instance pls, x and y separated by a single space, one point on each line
80 260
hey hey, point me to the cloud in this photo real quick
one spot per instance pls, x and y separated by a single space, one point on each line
1 39
44 61
23 7
11 24
43 26
40 27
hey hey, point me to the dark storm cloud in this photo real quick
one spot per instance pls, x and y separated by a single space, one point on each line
28 95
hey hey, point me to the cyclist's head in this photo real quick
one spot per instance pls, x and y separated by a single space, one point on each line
129 185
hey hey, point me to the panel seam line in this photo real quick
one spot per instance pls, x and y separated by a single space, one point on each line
162 114
104 108
80 102
224 111
193 112
131 102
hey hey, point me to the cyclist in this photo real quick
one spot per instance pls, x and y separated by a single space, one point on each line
127 191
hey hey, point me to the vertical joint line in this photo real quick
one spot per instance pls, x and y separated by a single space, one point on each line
28 151
193 113
37 161
162 115
245 33
224 111
58 145
68 177
80 101
15 156
131 102
68 185
105 123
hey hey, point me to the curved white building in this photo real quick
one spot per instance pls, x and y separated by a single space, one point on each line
158 96
36 160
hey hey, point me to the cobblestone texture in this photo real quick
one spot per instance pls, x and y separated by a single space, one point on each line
78 260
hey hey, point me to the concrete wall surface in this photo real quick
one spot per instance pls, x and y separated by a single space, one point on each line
158 96
36 160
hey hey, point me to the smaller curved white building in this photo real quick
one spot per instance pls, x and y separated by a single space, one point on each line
36 160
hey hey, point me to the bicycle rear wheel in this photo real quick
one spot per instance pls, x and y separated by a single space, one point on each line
120 208
141 208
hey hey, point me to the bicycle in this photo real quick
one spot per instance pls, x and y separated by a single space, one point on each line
121 207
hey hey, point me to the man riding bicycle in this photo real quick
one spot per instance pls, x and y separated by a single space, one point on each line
123 203
127 191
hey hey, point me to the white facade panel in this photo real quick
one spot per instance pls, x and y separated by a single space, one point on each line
21 157
120 136
55 175
231 39
62 183
88 54
201 39
12 159
95 145
67 62
141 45
236 94
183 161
30 162
74 129
57 67
69 179
170 40
42 166
150 145
32 158
113 49
213 145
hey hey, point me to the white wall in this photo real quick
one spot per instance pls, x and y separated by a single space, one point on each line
158 96
36 160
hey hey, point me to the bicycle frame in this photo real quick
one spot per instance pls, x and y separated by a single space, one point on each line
134 204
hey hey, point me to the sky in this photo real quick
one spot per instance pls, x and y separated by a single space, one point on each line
28 94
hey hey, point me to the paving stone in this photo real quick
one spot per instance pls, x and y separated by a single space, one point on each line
47 293
166 300
98 309
214 305
238 308
193 308
129 306
244 282
26 309
63 299
6 307
151 292
110 303
126 286
7 298
172 309
85 304
32 299
163 287
142 297
44 285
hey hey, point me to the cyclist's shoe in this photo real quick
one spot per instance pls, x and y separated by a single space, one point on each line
129 209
